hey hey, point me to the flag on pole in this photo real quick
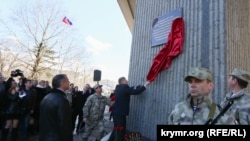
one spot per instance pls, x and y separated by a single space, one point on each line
66 21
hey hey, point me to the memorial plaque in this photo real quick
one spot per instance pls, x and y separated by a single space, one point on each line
162 26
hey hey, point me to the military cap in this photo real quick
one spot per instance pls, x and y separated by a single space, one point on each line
241 74
97 86
199 73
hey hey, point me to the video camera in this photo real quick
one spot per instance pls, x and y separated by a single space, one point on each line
16 73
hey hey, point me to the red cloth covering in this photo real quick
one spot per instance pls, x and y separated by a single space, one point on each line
172 49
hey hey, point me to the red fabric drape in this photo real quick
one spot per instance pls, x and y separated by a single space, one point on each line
172 49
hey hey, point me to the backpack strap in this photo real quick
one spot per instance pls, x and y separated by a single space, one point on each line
212 111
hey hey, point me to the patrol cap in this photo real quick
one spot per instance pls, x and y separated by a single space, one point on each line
198 73
241 74
97 86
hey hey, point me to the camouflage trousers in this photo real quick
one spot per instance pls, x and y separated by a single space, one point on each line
95 127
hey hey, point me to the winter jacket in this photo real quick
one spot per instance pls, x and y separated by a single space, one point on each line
55 117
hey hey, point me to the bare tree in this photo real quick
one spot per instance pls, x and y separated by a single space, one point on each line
40 37
8 62
87 75
65 58
78 65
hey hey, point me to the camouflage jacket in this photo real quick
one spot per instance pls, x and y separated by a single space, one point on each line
240 109
185 114
94 107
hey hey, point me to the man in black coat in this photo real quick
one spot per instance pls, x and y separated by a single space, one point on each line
78 100
55 113
121 106
40 94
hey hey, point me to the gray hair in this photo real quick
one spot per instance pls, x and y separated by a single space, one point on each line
121 79
58 79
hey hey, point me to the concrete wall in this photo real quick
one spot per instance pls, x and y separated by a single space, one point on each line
216 37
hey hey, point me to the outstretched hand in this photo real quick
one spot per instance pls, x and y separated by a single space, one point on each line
147 83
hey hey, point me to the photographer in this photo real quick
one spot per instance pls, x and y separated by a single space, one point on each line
13 74
11 105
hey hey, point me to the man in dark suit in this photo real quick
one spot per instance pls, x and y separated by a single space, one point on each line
121 105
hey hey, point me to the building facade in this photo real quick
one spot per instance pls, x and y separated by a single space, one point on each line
216 36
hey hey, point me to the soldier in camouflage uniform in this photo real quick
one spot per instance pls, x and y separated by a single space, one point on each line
93 111
199 107
240 108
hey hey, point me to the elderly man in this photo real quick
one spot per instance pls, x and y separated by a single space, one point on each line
199 107
121 106
238 99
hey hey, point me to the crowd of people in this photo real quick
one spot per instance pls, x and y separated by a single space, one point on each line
20 100
25 104
19 106
30 107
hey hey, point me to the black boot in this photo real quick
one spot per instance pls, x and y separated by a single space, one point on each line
31 130
5 132
13 136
